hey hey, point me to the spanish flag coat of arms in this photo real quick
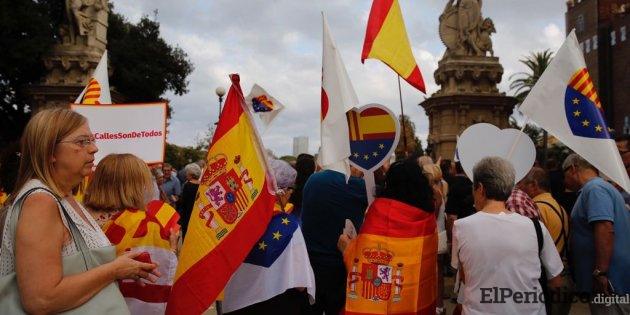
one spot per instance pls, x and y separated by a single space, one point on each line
233 206
392 263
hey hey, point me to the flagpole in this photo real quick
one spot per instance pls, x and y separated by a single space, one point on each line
518 138
402 118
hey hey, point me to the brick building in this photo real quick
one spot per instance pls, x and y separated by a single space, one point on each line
603 30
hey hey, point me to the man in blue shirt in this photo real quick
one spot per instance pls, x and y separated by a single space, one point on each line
600 237
327 202
171 187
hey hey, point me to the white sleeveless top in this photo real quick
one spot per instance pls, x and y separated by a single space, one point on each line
92 233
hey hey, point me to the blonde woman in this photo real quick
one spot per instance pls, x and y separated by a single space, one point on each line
116 198
433 172
57 153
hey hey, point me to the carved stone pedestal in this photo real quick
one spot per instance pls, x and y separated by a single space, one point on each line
468 95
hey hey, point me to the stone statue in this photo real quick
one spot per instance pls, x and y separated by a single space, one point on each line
81 19
464 31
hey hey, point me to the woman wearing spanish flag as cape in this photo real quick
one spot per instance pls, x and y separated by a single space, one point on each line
392 263
117 198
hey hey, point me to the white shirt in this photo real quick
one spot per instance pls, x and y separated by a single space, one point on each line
499 254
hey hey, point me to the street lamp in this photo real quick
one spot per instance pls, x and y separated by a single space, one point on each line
220 91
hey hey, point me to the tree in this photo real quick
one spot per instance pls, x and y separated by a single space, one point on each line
414 145
537 63
145 66
178 156
523 82
28 30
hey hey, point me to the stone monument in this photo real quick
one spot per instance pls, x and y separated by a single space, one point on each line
467 76
82 41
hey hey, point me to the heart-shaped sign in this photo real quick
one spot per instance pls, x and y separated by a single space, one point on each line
374 133
482 140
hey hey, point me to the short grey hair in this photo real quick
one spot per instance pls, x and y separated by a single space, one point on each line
497 176
578 161
193 170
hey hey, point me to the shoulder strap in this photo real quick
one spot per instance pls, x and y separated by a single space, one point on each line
564 235
74 231
539 235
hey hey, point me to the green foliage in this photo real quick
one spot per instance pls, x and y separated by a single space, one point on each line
145 66
523 82
414 145
28 29
178 156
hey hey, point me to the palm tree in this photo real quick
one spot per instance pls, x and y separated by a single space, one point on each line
536 62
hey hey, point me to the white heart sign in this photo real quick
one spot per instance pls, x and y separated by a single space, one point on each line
483 140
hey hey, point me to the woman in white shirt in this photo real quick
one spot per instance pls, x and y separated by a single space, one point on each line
496 250
57 153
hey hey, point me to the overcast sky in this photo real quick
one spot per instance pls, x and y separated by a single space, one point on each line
277 44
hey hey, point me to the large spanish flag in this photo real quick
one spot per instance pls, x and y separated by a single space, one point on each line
392 264
233 207
386 39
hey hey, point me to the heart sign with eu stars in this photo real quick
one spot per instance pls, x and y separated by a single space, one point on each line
374 134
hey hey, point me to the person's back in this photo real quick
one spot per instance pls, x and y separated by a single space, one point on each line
600 201
500 252
555 219
327 202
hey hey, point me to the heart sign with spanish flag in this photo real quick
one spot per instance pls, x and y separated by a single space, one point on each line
374 134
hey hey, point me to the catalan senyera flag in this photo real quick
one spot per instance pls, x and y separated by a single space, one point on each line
392 263
565 103
148 231
233 207
386 39
97 90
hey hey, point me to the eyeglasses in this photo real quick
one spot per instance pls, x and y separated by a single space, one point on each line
82 142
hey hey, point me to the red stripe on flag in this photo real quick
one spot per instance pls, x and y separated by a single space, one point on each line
151 293
196 289
377 136
373 112
232 110
378 14
578 77
355 122
96 89
390 218
416 80
584 85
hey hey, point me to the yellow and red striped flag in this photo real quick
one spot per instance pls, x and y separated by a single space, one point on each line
392 263
233 207
97 90
146 231
386 39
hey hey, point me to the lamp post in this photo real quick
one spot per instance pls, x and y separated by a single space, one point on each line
220 91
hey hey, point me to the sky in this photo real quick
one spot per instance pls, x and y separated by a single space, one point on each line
277 44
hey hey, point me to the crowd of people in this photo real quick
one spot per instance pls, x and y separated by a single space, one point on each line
536 246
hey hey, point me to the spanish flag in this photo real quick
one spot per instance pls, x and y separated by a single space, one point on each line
233 207
146 231
386 39
392 264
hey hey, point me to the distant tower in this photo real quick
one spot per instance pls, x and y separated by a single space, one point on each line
300 145
468 78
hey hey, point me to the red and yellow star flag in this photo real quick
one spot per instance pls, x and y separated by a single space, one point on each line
386 39
392 263
147 231
233 207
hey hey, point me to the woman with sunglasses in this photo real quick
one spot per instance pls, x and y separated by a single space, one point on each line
52 228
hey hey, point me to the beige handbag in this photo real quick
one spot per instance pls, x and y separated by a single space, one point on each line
107 301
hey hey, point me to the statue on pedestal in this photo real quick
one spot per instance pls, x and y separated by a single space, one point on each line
80 20
464 31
